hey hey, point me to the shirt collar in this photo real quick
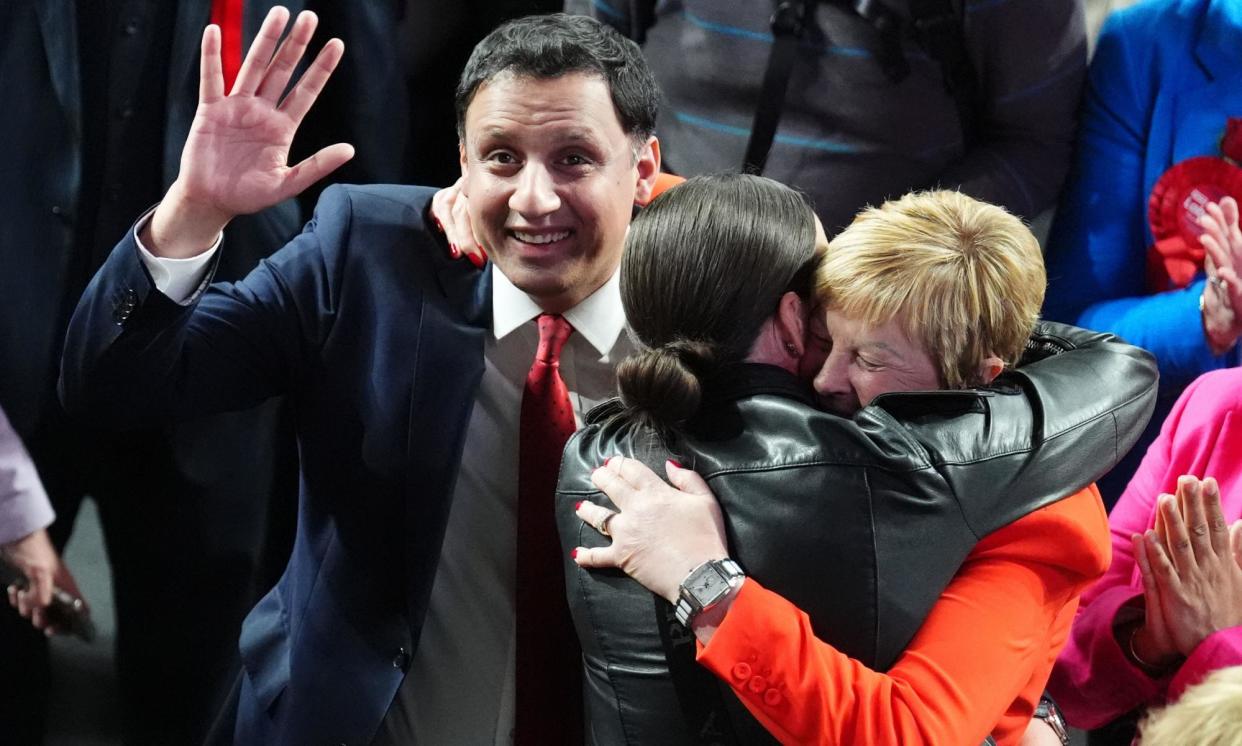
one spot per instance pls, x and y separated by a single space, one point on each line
599 318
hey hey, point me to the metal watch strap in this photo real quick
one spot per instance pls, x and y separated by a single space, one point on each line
1048 712
687 608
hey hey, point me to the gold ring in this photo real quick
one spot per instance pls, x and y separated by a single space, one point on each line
602 526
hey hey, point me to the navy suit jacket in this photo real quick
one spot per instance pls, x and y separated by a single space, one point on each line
41 171
377 337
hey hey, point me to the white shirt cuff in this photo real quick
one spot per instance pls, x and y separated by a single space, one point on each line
180 279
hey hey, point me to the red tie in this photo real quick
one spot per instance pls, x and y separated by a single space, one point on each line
549 668
227 14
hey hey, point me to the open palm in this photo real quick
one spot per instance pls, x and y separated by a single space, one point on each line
235 160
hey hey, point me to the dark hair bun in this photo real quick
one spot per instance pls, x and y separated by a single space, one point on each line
663 385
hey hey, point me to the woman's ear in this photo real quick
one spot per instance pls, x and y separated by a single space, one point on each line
791 318
989 369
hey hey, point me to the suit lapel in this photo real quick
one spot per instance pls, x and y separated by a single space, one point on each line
1209 92
58 24
448 367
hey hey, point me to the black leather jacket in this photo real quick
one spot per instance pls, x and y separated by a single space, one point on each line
861 523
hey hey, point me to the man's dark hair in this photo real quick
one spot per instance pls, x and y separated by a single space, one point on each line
549 46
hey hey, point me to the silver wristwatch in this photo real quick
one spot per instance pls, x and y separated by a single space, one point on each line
705 586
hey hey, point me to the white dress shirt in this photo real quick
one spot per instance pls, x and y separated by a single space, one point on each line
460 685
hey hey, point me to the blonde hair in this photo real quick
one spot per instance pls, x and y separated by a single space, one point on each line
1207 714
965 278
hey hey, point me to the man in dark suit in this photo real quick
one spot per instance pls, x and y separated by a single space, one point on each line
400 615
106 95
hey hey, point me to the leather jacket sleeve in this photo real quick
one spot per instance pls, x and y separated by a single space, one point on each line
1067 414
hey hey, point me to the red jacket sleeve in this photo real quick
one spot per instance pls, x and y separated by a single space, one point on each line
976 666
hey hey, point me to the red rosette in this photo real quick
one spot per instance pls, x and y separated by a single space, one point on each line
1231 143
1179 197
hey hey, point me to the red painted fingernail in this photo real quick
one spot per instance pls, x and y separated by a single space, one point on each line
676 463
577 505
574 553
610 458
476 260
453 251
439 226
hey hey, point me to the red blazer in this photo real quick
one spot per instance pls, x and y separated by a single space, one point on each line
977 665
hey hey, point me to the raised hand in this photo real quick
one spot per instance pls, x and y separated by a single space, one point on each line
1222 298
1194 565
235 160
661 532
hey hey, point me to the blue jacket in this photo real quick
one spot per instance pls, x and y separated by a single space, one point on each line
377 337
1166 76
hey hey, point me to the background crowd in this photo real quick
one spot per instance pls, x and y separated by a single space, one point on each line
199 519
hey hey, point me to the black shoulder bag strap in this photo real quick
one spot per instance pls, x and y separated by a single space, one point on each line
788 25
941 33
642 16
698 691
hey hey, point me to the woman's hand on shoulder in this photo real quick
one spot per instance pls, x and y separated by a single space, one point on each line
661 531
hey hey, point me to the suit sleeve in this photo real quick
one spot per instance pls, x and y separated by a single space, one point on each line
1029 83
24 506
1098 246
1094 681
133 356
985 644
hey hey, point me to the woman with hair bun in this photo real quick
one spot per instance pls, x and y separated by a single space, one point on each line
831 572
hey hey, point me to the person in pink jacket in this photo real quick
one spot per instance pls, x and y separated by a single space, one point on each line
1169 609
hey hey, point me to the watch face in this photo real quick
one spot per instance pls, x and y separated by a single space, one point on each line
707 586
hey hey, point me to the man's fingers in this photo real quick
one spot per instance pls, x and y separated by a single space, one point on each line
1195 514
686 480
210 70
260 54
594 557
40 589
1218 527
300 177
1151 590
1163 573
1177 539
281 68
1235 541
303 95
593 515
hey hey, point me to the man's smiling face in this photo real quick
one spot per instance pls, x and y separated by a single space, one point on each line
551 179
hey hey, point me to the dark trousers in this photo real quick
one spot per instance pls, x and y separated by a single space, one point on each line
186 514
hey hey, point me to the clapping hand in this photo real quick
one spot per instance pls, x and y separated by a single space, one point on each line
1191 565
661 531
235 160
1222 298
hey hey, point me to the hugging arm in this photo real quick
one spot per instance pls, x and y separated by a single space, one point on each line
1015 593
1067 414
